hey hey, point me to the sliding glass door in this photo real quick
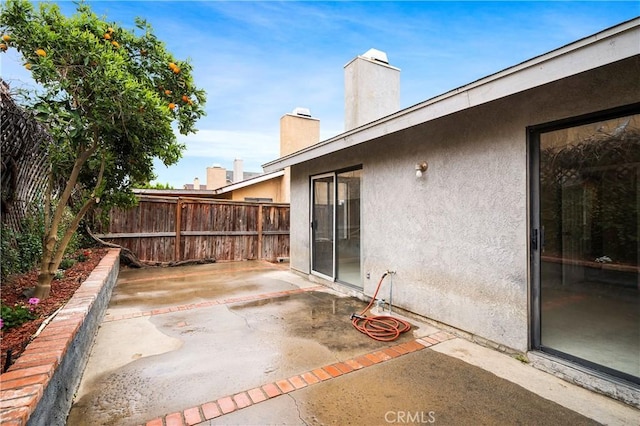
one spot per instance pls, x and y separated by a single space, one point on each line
335 226
586 239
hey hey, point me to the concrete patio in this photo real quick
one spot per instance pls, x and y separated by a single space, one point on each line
252 343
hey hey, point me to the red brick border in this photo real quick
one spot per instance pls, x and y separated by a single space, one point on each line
26 381
238 401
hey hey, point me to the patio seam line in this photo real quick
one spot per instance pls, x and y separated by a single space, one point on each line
243 399
258 268
209 303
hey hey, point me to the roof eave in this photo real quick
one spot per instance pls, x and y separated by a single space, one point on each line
252 181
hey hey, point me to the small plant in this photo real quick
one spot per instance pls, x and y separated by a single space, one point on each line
522 358
18 314
67 263
59 274
83 256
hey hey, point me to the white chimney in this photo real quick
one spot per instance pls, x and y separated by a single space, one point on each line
238 175
196 183
372 89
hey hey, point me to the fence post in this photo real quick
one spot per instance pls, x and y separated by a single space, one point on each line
259 231
178 252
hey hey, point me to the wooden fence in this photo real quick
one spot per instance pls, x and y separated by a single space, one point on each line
173 229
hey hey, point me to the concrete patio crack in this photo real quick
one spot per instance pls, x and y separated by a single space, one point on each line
246 321
295 401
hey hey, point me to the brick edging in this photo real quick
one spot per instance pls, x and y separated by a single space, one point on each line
228 404
39 387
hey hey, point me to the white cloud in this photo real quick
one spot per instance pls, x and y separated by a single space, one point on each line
252 147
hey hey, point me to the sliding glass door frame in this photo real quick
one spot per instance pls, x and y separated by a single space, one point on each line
345 223
314 230
537 232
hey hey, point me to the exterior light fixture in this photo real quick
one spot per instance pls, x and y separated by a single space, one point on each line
421 168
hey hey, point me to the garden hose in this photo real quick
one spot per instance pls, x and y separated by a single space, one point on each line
381 327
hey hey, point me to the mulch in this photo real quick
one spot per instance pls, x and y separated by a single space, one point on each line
14 340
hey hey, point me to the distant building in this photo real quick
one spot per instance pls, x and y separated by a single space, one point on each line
298 130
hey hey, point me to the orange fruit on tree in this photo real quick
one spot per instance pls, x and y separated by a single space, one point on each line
106 36
115 44
176 70
167 92
172 65
185 98
6 37
3 47
110 30
172 106
27 66
41 52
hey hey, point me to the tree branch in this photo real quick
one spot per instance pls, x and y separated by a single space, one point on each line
73 226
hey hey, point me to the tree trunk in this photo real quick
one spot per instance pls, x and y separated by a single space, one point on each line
47 268
43 288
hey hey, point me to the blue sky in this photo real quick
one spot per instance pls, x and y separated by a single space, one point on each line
260 60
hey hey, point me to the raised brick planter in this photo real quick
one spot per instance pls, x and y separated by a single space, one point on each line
38 389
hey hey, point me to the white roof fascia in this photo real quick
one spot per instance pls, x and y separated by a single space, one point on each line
249 182
163 192
608 46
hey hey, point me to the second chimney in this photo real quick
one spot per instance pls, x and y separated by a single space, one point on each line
298 130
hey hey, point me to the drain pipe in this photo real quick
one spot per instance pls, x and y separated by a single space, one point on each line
391 274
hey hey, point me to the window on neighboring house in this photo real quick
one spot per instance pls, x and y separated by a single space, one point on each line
258 200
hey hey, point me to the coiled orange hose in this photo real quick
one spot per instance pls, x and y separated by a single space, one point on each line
381 327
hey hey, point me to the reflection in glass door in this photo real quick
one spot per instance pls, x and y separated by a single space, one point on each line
322 225
586 244
348 227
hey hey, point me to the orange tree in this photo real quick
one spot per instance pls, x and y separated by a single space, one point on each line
111 99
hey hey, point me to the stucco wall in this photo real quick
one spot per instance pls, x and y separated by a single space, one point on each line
272 188
458 236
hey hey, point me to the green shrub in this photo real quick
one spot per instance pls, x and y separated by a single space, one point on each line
18 314
67 263
21 250
9 254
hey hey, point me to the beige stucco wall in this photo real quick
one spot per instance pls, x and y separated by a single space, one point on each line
272 188
459 236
